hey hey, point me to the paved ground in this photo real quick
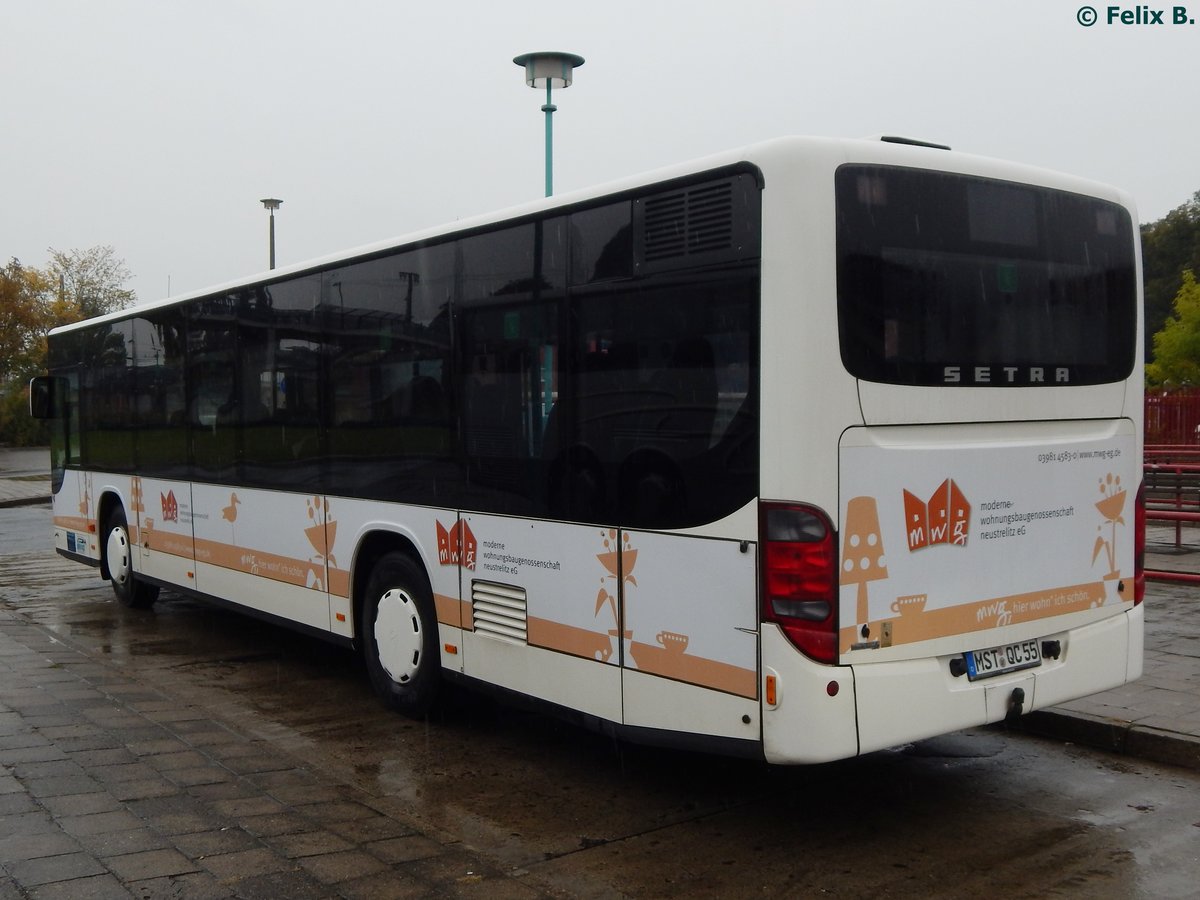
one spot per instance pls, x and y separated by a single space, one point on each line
109 789
1156 717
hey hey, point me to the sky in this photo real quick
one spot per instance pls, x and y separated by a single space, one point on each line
155 126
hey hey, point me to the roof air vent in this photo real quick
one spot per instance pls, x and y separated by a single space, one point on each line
912 142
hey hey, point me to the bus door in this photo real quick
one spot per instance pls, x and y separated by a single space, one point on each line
267 550
264 548
163 523
160 503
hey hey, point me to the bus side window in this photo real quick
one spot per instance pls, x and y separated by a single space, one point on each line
387 345
161 402
212 380
108 409
511 284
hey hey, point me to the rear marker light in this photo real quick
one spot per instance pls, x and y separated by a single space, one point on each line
771 692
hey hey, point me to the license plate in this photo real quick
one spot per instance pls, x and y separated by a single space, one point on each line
998 660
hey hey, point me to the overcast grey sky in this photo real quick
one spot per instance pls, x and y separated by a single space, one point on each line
155 126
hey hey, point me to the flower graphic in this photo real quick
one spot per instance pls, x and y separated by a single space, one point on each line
321 535
1112 508
615 551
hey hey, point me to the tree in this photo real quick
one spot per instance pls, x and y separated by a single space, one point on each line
1177 345
1169 246
92 280
24 320
77 284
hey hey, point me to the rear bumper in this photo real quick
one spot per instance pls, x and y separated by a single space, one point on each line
881 705
905 701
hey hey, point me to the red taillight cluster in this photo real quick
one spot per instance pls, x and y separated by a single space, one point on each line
1139 546
799 577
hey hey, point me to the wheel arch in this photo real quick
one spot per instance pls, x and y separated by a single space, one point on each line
372 547
110 499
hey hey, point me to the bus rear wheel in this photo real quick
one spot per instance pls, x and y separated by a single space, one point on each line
400 635
118 556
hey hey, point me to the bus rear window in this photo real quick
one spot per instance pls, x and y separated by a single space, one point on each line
956 280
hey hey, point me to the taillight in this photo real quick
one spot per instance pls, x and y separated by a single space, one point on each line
799 577
1139 546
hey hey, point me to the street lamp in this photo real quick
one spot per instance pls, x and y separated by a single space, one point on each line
271 204
549 70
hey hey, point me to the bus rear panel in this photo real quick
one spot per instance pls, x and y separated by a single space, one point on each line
984 533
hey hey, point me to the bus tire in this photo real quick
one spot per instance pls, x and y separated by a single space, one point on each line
400 635
131 591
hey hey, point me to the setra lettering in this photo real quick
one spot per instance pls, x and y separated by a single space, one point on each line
1005 375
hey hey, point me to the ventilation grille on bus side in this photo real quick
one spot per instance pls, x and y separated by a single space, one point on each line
499 610
714 222
689 222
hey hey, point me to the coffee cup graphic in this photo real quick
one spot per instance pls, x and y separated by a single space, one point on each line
675 643
911 604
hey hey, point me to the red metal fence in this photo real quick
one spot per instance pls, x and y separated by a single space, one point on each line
1172 468
1173 418
1172 497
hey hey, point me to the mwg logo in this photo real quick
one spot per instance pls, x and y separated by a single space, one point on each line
945 518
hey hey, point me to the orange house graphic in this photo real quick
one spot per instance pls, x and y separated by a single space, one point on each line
944 519
456 545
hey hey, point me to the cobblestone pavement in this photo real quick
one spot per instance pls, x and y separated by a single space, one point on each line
109 788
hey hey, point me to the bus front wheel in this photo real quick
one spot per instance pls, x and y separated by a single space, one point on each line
118 555
400 635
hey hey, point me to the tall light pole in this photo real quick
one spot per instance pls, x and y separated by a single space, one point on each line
549 70
271 204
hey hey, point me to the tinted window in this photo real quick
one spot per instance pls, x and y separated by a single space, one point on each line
536 369
949 279
279 397
109 384
214 399
512 285
161 400
602 243
659 427
391 396
65 354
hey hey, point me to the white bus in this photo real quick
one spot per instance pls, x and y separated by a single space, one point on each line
796 452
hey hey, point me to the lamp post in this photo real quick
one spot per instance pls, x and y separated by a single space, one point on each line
271 204
549 70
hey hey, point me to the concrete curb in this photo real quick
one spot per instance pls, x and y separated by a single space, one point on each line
24 501
1116 736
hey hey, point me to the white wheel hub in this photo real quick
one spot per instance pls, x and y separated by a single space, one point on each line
118 556
398 635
